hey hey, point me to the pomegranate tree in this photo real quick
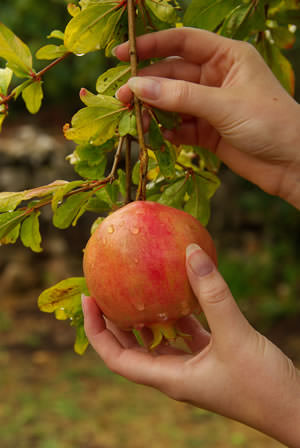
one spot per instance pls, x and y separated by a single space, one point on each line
134 264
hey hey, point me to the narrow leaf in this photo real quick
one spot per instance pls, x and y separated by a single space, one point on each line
67 212
208 14
30 232
49 52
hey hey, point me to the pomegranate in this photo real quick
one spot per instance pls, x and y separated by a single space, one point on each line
134 265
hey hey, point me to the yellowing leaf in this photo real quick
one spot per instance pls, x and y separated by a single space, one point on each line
5 79
33 96
92 28
64 299
15 52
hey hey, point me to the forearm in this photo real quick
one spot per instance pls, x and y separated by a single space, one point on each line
281 419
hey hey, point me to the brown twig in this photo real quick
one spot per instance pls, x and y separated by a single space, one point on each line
128 169
141 193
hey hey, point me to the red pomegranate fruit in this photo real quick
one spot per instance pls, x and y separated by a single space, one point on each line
134 265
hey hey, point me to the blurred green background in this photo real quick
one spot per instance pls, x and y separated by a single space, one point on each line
52 398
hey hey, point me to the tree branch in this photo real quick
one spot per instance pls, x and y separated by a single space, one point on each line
141 193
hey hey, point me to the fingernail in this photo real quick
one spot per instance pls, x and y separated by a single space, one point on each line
146 88
199 262
117 94
114 51
83 297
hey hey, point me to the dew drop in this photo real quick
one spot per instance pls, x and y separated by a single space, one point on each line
135 260
140 212
139 306
104 241
139 326
79 54
135 230
163 316
111 229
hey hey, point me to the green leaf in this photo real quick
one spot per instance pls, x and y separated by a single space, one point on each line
162 10
33 96
166 159
5 79
283 37
91 171
92 28
9 201
15 52
208 15
62 191
244 20
66 214
19 89
127 124
95 124
111 80
198 205
278 63
168 120
208 159
30 232
49 52
174 194
56 34
8 222
64 299
288 17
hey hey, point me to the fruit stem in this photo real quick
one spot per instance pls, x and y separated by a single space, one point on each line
141 193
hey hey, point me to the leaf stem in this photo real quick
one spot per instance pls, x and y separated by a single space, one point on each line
141 193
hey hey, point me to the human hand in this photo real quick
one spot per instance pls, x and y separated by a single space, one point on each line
233 370
230 102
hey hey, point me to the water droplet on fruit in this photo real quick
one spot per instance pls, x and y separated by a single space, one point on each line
104 241
139 306
135 260
111 229
140 212
139 326
163 316
135 230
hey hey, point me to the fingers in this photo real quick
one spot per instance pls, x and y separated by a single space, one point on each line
210 103
134 364
200 338
173 68
192 44
227 324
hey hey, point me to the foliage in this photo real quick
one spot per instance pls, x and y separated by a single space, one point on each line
182 177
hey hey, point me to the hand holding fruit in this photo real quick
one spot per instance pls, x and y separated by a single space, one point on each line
230 103
233 371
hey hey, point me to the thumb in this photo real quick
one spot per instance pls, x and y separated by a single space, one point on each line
224 318
181 96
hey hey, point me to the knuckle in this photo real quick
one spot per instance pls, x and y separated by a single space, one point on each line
181 93
216 292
